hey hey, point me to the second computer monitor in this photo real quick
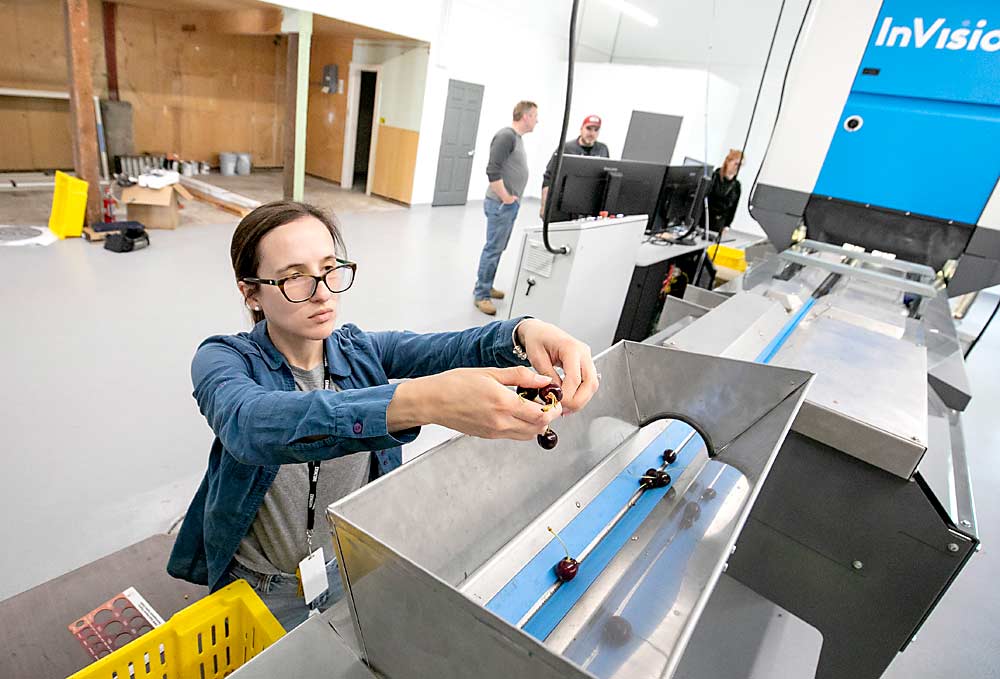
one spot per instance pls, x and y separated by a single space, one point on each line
682 197
586 186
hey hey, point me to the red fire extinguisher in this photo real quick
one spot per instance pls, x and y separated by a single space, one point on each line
108 205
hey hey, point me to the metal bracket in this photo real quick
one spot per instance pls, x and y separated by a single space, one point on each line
893 282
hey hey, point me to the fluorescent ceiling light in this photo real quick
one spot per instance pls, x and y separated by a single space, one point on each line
628 9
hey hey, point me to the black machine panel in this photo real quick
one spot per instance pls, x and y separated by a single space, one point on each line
914 238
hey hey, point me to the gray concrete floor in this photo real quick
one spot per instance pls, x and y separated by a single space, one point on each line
102 444
31 206
962 637
100 436
266 185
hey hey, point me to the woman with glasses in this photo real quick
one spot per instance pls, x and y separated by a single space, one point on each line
303 412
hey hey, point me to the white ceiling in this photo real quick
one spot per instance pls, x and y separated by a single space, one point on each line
689 32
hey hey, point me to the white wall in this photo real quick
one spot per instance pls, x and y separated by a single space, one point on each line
613 91
371 52
517 53
409 19
728 37
403 78
747 79
521 54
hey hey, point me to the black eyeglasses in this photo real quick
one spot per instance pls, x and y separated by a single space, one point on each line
300 287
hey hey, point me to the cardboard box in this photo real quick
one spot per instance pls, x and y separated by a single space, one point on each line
154 208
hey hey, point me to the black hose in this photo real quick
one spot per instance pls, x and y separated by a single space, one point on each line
982 331
746 139
781 94
715 252
760 88
695 223
563 250
826 286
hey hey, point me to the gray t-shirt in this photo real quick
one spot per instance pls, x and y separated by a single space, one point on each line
276 541
508 161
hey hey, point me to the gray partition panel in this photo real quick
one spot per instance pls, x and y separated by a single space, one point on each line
651 137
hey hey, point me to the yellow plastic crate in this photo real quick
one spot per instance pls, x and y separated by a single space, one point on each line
731 258
209 639
69 206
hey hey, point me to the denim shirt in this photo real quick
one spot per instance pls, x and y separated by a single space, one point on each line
245 390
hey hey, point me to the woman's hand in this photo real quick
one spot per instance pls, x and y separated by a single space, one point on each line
474 401
547 346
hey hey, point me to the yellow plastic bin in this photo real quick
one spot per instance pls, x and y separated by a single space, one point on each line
210 638
69 206
731 258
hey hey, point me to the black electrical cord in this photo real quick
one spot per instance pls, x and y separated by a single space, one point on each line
763 74
753 113
781 95
695 223
563 250
982 331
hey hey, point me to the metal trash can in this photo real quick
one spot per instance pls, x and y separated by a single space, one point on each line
243 164
227 164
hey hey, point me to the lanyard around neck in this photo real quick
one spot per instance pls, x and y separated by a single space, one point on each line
314 470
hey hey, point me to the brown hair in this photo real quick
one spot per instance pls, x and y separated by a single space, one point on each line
267 217
523 107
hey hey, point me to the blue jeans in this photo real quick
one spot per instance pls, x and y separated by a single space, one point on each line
499 223
280 592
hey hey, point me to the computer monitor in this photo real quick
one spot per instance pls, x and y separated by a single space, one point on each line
587 186
682 199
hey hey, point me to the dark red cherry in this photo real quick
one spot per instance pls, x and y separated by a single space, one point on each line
670 456
692 510
617 631
548 440
527 393
550 389
655 478
567 569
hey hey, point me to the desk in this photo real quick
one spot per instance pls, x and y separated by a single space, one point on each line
642 302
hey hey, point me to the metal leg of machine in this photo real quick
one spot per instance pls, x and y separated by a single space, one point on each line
859 553
867 515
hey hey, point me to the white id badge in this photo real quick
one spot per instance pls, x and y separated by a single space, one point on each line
312 574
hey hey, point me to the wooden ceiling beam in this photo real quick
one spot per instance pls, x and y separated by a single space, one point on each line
245 22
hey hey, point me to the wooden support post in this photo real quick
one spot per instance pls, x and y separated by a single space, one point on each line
81 104
298 25
110 13
291 66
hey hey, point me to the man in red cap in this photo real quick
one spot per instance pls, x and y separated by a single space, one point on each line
584 145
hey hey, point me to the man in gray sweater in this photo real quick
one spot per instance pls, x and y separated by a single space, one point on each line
507 171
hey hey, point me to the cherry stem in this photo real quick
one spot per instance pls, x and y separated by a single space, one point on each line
551 403
560 542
